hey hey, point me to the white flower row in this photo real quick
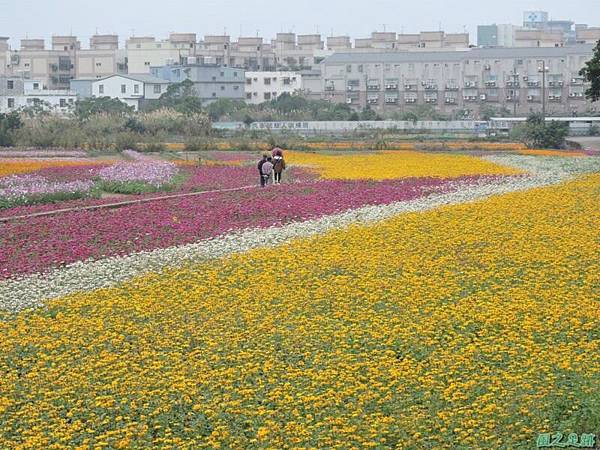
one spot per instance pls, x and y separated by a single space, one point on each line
34 290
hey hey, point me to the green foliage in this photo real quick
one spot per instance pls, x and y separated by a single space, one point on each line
88 107
197 144
591 72
594 130
127 187
43 199
224 107
9 124
180 97
536 133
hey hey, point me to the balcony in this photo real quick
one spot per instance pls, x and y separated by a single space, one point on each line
513 84
373 100
490 83
450 101
430 87
471 84
431 100
555 98
392 100
577 81
391 87
533 99
451 87
410 87
410 100
555 83
577 95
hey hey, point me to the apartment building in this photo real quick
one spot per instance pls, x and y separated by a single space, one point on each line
17 93
461 83
131 89
210 82
145 52
496 35
587 35
4 55
266 86
65 59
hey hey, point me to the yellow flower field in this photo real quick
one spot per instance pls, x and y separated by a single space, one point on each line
390 165
470 326
541 152
16 167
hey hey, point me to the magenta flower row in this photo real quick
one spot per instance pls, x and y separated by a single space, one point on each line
38 244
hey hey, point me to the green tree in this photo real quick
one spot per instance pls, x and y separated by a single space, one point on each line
9 123
180 97
591 72
536 133
224 107
88 107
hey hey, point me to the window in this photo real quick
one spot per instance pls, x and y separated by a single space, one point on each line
286 81
36 86
26 64
248 80
98 64
235 74
267 96
349 68
222 88
158 45
249 95
267 81
123 89
138 46
101 89
222 74
146 63
214 78
136 88
236 88
157 88
214 94
361 68
63 103
11 102
10 84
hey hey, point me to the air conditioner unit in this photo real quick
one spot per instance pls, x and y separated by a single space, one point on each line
530 97
561 83
450 100
483 96
572 94
487 67
551 97
350 88
466 97
509 98
580 94
407 87
349 100
391 100
525 78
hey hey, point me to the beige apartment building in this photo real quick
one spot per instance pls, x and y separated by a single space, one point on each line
65 60
461 83
145 52
588 35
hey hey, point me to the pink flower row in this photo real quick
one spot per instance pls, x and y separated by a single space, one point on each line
38 244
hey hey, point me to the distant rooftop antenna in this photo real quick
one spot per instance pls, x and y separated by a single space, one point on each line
384 29
132 32
440 26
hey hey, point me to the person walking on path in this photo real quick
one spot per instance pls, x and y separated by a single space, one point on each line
278 168
276 152
267 170
260 166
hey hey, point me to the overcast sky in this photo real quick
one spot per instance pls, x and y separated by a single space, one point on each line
43 18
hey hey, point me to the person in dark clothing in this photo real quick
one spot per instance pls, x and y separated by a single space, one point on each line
260 173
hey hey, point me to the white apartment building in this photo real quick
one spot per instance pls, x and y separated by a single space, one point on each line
146 52
132 90
17 93
266 86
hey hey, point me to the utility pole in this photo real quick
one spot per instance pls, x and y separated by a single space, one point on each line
516 90
543 69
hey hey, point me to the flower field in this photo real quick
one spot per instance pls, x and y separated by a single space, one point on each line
392 165
406 300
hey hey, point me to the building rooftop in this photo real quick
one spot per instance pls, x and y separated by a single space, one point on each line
458 55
